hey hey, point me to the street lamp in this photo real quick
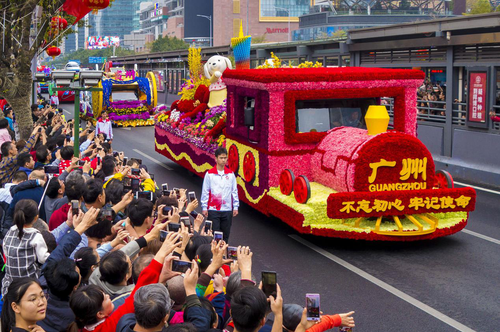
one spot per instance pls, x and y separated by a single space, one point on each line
288 11
87 82
209 18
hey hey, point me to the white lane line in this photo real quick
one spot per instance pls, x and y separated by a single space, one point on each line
127 128
405 297
153 160
481 236
478 188
67 112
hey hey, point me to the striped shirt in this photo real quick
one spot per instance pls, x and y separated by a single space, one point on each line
8 165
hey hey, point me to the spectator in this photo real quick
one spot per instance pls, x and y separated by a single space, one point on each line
494 116
25 262
115 269
25 162
4 132
36 112
140 213
152 309
219 198
87 259
34 193
67 154
54 198
5 193
9 157
104 126
24 305
74 188
42 156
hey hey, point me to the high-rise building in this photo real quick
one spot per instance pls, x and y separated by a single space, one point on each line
116 20
75 41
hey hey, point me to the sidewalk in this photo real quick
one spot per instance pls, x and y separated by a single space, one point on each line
167 98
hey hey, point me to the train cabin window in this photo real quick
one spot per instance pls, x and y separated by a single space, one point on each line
325 114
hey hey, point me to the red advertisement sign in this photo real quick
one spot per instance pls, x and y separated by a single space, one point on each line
477 96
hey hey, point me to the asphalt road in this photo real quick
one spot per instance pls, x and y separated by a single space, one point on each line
447 284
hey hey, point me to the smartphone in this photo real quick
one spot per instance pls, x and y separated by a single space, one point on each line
164 187
134 185
125 161
81 162
232 252
218 236
166 193
68 138
127 182
180 266
163 235
312 304
186 221
194 214
144 194
98 161
174 227
166 210
75 207
39 130
115 154
107 214
191 196
208 225
136 171
269 281
51 169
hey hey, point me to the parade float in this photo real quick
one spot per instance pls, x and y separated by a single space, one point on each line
126 113
297 142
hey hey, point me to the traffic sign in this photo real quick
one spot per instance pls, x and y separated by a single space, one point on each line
96 59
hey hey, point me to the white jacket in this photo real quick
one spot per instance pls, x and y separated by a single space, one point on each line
220 192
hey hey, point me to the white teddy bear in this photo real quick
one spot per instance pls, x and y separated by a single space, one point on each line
213 69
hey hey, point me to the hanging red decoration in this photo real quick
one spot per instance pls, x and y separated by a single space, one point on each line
96 5
57 24
53 51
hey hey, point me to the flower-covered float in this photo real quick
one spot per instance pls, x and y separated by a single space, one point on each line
126 113
297 143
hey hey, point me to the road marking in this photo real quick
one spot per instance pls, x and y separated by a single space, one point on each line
153 160
478 188
67 112
405 297
481 236
127 128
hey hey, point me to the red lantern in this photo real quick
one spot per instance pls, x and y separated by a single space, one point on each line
58 23
53 52
95 5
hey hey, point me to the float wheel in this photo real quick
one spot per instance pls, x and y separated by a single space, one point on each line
302 189
443 180
249 167
286 181
233 160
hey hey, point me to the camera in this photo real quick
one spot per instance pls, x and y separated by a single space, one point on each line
166 210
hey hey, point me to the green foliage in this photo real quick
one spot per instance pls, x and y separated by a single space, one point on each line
480 7
259 39
83 56
165 44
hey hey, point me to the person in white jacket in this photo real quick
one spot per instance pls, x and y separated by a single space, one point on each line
219 196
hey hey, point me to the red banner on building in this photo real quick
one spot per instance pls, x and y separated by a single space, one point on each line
477 96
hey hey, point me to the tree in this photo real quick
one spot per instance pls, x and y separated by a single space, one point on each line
480 7
19 45
165 44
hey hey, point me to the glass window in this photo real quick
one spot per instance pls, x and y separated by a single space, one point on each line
325 114
284 8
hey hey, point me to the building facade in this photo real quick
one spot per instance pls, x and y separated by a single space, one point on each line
117 20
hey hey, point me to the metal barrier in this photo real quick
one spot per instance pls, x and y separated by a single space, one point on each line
494 124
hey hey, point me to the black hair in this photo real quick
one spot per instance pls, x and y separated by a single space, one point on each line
85 303
101 230
4 123
106 147
205 303
292 314
60 140
114 191
15 293
7 111
85 258
34 107
74 187
23 158
204 254
61 277
248 308
139 210
93 188
114 267
104 135
220 150
183 327
20 144
53 187
42 153
194 243
51 144
139 264
167 200
108 165
25 213
20 176
5 148
49 239
67 152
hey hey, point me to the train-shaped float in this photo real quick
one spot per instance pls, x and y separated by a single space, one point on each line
297 142
133 112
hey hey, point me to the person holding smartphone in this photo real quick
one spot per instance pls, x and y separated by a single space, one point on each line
219 196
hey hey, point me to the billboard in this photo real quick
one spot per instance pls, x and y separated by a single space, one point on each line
195 26
100 42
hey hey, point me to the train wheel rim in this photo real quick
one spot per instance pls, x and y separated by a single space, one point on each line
301 189
287 179
233 159
249 166
443 179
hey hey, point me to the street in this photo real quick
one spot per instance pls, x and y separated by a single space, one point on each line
446 284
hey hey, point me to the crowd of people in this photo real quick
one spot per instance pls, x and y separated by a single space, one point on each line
431 99
91 243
